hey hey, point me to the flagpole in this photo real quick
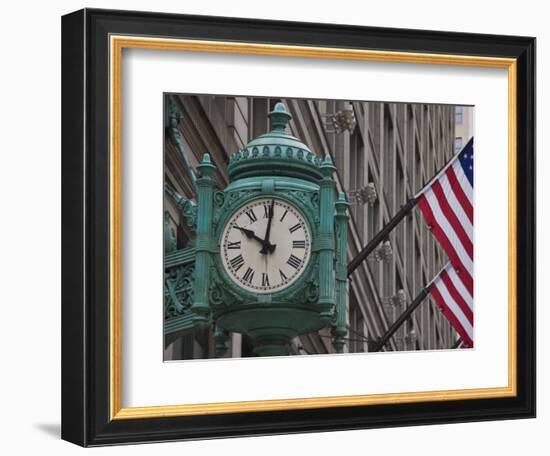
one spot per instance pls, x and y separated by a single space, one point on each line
408 311
395 326
371 245
457 343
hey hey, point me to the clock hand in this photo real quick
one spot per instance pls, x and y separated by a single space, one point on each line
251 235
267 247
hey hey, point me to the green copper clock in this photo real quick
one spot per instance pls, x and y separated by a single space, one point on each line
269 257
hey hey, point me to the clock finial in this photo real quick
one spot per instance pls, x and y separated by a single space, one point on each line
279 117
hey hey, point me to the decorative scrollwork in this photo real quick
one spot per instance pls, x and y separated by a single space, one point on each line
219 198
232 198
312 291
315 199
312 286
302 196
178 290
189 210
216 295
334 318
170 241
219 294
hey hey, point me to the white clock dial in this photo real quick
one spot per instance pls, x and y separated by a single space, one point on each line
266 245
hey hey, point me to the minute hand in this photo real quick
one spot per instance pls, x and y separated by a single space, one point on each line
267 247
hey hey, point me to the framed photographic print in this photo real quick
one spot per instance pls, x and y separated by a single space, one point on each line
276 227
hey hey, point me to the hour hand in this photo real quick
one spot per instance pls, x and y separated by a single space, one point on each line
250 234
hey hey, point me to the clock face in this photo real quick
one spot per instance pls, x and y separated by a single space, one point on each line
266 245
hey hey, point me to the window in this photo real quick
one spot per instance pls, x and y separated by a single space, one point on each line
357 177
458 144
388 158
418 178
418 285
372 212
400 199
459 111
374 127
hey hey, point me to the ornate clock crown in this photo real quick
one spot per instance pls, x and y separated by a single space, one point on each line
276 153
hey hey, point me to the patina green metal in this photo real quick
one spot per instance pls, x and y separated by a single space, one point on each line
170 241
276 153
221 338
275 164
179 268
204 247
325 241
187 207
339 327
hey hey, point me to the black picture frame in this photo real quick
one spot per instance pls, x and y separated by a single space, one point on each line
86 409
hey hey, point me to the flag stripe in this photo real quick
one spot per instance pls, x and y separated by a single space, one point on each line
440 219
466 310
447 230
456 206
460 288
445 304
453 220
449 303
462 198
447 246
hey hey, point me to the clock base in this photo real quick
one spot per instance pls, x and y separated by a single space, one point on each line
271 328
272 346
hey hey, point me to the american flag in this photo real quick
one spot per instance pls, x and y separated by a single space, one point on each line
447 205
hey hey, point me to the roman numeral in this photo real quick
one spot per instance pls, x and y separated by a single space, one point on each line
283 276
295 262
234 245
237 262
265 280
248 275
298 244
295 227
283 216
266 210
251 215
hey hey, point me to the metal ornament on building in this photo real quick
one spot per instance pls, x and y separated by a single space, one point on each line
398 300
342 120
366 194
384 252
270 249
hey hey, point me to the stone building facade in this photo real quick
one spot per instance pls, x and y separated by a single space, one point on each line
384 154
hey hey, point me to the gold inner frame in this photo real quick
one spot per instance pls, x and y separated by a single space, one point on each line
117 44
